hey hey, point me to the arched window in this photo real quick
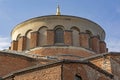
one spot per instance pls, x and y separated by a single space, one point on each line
59 35
77 77
28 36
75 36
42 36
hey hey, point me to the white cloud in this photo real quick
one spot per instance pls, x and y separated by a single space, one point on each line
113 45
4 43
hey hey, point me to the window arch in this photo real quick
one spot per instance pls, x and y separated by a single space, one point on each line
78 77
18 36
89 32
75 28
59 35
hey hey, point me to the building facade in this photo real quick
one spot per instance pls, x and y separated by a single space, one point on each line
59 47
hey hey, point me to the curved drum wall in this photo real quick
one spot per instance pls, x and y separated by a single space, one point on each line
52 21
41 31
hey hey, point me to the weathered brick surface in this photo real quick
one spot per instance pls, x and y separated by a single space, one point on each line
14 45
68 37
84 40
70 70
95 75
34 39
94 43
115 66
61 50
22 43
10 63
50 37
52 73
102 47
61 72
104 63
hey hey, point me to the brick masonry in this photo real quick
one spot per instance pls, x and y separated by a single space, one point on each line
34 39
22 43
94 43
52 73
61 72
10 63
49 51
84 40
50 37
68 37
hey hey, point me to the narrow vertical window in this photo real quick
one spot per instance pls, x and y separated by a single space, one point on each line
59 35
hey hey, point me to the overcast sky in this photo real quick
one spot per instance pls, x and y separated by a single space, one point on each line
106 13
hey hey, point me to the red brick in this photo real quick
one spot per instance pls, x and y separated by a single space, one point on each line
14 45
84 40
94 44
50 37
34 39
22 43
102 47
68 37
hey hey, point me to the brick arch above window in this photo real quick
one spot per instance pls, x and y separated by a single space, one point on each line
42 27
26 34
75 28
18 36
59 26
89 32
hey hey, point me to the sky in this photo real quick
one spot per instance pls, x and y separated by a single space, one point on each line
106 13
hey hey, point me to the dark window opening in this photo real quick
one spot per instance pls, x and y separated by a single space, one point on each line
59 35
77 77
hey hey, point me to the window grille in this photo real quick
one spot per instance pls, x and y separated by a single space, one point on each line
59 35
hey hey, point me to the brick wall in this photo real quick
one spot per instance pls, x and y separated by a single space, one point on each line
22 43
94 44
14 45
84 40
102 47
68 37
104 63
50 37
10 63
61 72
70 70
49 51
52 73
115 66
34 39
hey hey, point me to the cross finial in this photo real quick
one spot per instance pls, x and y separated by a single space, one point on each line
58 10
